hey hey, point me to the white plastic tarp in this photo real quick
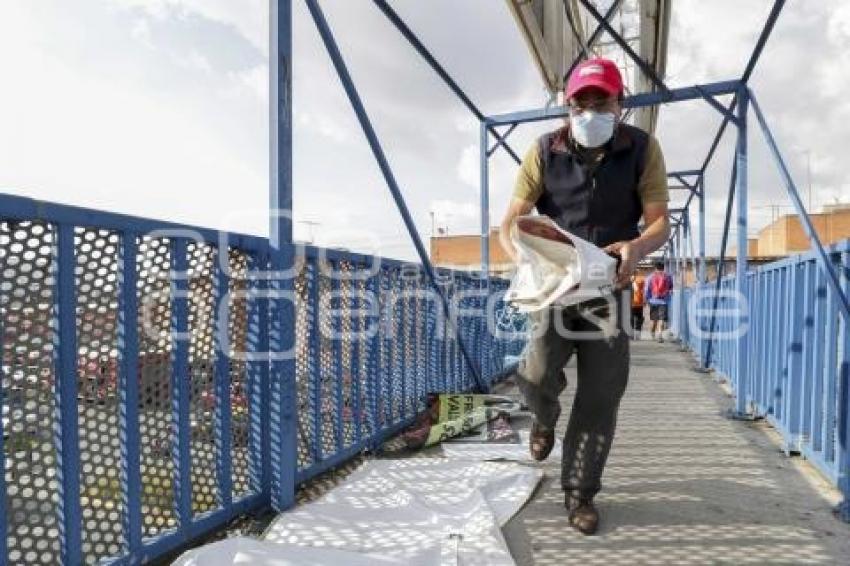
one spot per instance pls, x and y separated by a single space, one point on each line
555 267
414 511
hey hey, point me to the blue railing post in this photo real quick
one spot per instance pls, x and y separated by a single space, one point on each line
335 342
701 185
356 319
181 377
829 369
372 329
128 386
741 374
794 351
485 199
282 332
842 448
484 361
221 381
808 342
314 365
66 426
4 551
258 378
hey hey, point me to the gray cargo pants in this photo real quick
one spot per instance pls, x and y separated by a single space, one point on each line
603 371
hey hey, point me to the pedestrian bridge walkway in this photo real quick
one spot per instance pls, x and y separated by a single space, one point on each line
686 485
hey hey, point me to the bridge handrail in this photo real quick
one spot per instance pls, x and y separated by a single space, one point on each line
126 431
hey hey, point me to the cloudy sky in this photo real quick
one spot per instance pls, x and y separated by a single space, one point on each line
159 108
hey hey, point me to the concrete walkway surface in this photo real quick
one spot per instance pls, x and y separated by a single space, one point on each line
685 485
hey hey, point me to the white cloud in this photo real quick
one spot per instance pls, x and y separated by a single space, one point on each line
469 166
144 108
248 17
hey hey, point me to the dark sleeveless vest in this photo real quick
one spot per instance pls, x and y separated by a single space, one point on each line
599 203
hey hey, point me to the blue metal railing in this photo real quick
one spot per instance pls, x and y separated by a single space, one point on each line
798 375
136 395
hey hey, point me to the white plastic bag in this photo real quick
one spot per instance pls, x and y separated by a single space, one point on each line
556 268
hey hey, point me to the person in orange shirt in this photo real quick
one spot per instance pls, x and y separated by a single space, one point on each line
638 304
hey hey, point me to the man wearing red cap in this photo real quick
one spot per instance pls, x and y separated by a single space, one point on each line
596 177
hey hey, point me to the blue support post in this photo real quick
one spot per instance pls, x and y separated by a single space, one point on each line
742 377
181 377
66 426
485 201
336 355
702 274
282 331
128 387
366 125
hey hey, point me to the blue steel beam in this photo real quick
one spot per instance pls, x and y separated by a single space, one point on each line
414 41
624 45
719 135
502 141
762 40
634 101
791 187
741 352
685 173
485 201
597 33
181 453
726 113
720 261
281 304
378 151
701 194
766 31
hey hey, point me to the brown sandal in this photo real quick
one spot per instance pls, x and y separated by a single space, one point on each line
541 442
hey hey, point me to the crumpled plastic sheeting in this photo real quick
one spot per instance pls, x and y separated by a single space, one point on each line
239 551
555 267
422 512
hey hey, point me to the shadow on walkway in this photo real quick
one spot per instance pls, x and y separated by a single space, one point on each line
684 485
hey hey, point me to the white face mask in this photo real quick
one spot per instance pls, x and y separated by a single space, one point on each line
592 129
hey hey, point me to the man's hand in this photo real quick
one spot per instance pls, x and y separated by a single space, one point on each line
629 258
518 207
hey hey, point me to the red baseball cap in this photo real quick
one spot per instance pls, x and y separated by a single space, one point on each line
599 73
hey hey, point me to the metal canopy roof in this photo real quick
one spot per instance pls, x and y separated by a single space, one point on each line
558 32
